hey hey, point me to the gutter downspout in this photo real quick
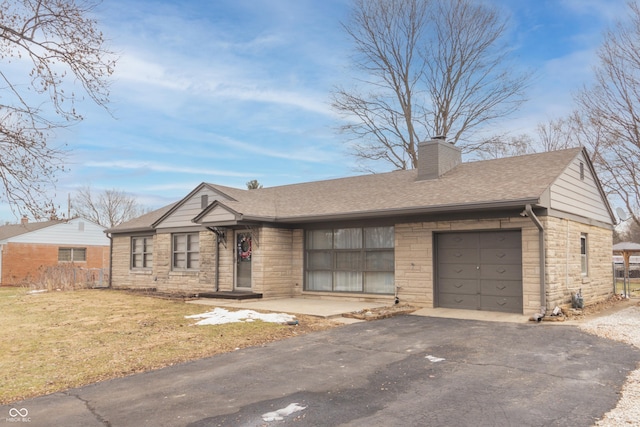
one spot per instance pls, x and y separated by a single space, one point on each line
218 239
543 293
217 262
110 257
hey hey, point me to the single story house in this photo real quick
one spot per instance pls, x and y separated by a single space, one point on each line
512 234
28 247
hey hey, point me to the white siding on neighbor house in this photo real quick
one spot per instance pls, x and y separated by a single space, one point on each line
579 197
183 215
74 232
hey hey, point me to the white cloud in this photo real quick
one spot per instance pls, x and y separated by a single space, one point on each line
159 167
137 70
610 10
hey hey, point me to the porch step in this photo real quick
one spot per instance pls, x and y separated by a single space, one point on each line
230 295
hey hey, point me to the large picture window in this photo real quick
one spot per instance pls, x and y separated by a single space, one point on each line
142 252
350 260
186 252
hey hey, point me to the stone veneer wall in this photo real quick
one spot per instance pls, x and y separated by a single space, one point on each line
276 272
160 275
414 257
277 262
121 274
564 273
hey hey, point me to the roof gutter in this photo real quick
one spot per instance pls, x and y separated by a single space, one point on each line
528 211
385 213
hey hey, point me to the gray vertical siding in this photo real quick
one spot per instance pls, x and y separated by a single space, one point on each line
183 215
580 197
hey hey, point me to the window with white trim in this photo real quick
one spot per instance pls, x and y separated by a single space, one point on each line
584 251
72 254
142 252
350 260
185 250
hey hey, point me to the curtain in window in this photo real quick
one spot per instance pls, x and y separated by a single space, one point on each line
379 237
348 238
348 281
320 239
319 281
379 282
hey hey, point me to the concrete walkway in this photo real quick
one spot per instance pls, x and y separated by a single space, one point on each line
334 309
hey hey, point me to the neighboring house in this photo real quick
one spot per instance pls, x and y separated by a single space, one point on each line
510 234
27 248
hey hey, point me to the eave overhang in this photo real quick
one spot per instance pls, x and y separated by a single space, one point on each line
379 213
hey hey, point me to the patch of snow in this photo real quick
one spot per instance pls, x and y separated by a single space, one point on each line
284 412
37 291
221 316
434 359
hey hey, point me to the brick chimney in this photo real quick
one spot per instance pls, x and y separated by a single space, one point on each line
24 220
437 157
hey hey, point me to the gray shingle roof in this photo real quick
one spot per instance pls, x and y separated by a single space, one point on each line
500 182
142 222
472 184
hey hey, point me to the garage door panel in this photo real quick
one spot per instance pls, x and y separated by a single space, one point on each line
458 240
500 256
500 239
480 270
459 255
458 271
459 286
504 304
501 272
467 302
502 288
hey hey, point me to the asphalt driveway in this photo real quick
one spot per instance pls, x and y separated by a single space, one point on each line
402 371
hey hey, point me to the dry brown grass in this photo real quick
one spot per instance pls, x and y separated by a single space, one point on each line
58 340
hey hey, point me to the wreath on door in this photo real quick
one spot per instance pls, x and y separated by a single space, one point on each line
244 248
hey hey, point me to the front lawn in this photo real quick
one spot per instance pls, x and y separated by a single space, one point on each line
53 341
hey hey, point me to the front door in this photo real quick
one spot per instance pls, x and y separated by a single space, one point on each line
243 261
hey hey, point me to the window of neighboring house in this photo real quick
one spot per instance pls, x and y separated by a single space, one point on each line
72 254
584 259
186 251
142 252
351 260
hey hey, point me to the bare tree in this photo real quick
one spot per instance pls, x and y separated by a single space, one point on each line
498 147
612 107
425 68
253 184
107 208
561 133
46 48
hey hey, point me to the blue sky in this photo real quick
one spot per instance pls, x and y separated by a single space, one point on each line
229 91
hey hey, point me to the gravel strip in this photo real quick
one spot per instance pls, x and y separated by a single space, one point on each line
622 326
